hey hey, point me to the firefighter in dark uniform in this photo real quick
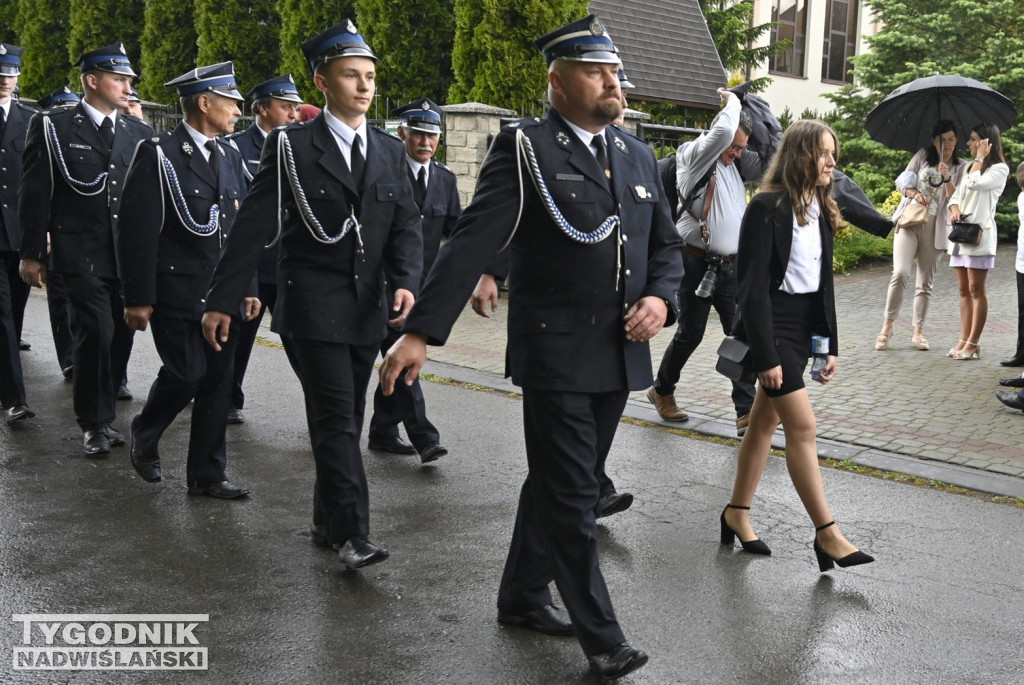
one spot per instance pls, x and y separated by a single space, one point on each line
341 192
181 197
14 118
595 261
274 103
436 194
75 164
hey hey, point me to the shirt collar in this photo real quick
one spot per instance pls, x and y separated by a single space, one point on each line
343 130
98 116
415 166
6 107
586 136
198 137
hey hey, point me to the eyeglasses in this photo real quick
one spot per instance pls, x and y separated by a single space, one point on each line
736 148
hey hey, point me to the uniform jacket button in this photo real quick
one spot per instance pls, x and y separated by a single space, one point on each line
628 273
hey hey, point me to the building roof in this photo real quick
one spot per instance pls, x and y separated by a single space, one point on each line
666 50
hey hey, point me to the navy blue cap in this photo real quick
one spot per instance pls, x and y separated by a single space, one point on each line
280 88
624 80
342 40
421 115
112 58
134 97
584 40
10 59
214 78
62 97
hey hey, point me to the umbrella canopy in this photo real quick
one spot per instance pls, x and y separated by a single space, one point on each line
904 119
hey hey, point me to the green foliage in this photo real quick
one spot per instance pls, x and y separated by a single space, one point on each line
243 31
494 60
413 43
300 21
732 29
8 18
853 246
95 23
168 48
41 28
981 39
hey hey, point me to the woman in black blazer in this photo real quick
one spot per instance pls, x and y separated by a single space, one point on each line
784 269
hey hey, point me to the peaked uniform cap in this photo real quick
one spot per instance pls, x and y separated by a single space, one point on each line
421 115
214 78
584 40
59 97
341 40
110 58
280 88
10 59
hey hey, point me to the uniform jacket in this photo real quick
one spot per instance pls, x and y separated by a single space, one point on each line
766 238
441 210
164 264
327 292
81 227
565 325
250 144
12 147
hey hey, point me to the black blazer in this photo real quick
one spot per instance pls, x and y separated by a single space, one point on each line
81 227
12 147
250 144
328 292
766 238
162 262
565 327
441 210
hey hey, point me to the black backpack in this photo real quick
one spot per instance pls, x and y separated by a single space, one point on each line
667 171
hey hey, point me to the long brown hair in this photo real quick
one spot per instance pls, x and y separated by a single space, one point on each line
995 153
794 170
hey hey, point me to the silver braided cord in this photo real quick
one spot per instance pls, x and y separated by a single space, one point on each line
284 150
166 169
53 143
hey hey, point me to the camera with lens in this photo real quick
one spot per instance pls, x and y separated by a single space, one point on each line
706 288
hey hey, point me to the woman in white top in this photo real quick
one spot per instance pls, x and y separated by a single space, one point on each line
929 179
975 200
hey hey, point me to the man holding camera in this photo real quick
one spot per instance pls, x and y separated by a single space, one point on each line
710 226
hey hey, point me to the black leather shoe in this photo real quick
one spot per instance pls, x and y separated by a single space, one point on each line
394 445
19 412
95 441
146 465
123 393
222 490
1015 360
68 372
432 452
1010 399
549 620
318 534
24 346
116 438
360 552
617 661
612 503
235 416
1015 382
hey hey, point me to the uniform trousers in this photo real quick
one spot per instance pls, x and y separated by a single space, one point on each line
246 338
334 379
191 370
693 322
60 317
101 345
406 406
19 293
568 436
12 383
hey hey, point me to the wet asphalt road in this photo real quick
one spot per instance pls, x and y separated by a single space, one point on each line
943 603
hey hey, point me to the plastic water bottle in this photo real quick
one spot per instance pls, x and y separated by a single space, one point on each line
819 355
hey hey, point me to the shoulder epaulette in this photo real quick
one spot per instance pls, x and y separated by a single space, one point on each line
439 165
387 133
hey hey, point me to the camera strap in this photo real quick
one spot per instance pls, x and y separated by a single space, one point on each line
705 232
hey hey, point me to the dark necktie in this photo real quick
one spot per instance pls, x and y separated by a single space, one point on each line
357 162
211 145
421 187
107 133
3 121
602 155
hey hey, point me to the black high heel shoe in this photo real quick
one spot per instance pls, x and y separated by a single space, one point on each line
826 561
754 546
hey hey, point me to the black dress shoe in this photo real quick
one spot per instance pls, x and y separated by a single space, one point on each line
617 661
1015 360
115 437
1015 382
549 620
235 416
146 465
95 441
432 452
19 412
1010 399
123 393
612 503
222 490
23 346
360 552
68 372
394 445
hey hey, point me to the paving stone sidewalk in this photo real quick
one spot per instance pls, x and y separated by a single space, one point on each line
901 401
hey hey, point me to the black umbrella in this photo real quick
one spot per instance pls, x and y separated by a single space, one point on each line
904 119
